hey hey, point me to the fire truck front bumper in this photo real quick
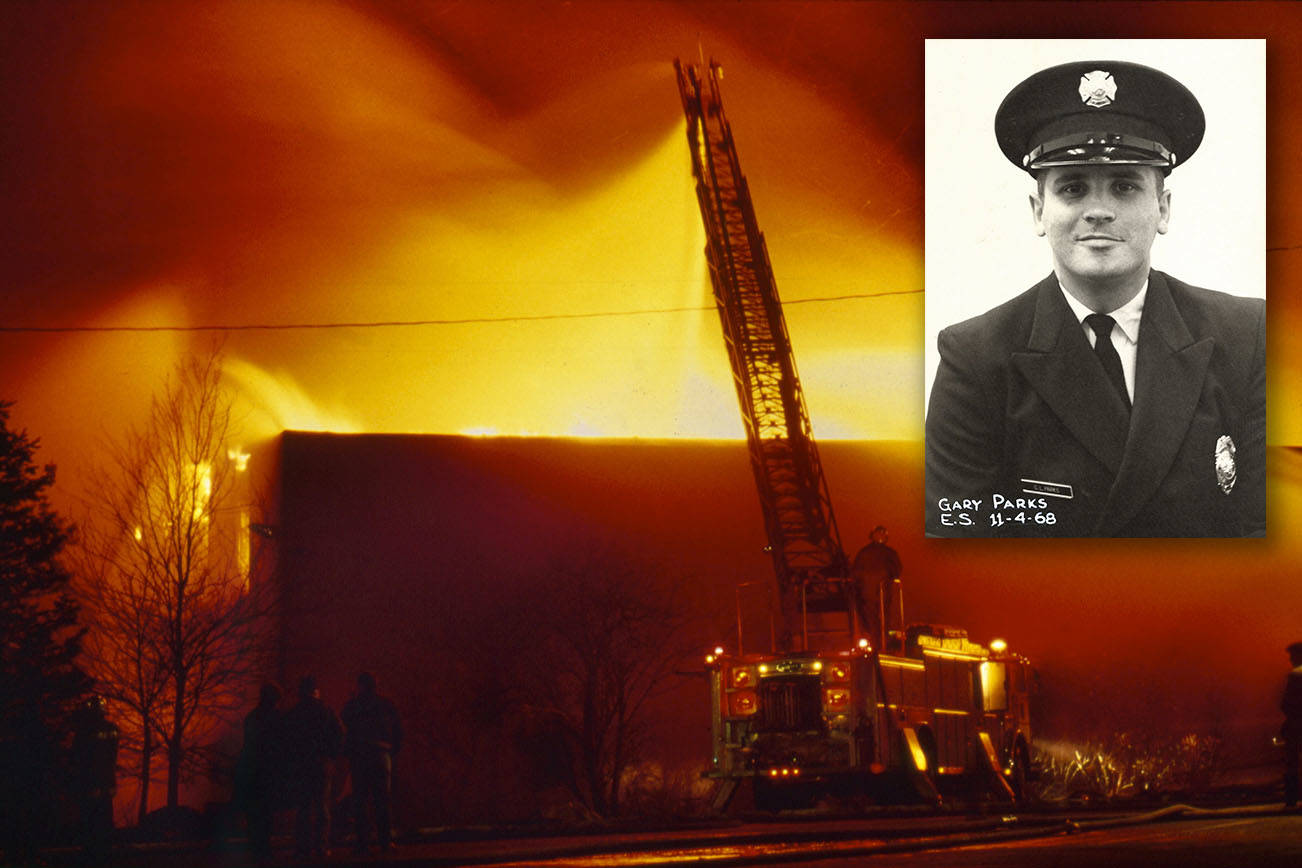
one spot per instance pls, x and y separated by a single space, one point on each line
797 756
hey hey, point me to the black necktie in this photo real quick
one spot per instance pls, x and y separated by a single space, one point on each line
1101 325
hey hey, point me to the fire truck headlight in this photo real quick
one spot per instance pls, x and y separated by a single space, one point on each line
743 703
836 699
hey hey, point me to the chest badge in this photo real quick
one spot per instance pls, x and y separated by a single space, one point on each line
1226 469
1098 88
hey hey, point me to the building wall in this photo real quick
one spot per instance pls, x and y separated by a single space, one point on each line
393 550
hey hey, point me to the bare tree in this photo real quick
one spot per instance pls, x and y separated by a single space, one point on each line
176 627
122 653
610 632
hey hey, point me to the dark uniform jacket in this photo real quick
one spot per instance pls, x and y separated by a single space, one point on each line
1023 418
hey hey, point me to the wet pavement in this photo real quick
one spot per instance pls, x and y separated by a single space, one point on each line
1175 832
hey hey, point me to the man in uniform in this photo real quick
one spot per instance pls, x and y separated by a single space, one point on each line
876 571
1291 732
1109 399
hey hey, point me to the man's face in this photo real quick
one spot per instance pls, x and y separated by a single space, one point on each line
1101 220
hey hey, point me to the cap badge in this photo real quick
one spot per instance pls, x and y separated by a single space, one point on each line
1226 469
1098 88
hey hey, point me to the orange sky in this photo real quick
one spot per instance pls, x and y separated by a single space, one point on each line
309 162
313 162
370 161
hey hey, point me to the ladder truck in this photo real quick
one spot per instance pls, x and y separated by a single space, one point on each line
846 700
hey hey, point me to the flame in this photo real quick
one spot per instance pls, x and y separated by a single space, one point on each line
423 185
239 458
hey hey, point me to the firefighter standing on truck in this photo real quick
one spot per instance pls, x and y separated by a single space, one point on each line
1291 731
877 571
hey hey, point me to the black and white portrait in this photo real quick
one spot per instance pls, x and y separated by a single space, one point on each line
1095 284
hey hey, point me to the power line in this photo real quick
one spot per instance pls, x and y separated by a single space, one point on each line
428 322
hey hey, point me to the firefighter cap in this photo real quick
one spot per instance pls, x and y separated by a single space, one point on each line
1099 112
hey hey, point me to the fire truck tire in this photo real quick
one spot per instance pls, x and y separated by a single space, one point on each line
772 797
1021 771
765 797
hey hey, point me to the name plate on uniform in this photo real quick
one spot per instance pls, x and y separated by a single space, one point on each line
1052 489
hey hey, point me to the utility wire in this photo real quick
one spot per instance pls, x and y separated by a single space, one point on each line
427 322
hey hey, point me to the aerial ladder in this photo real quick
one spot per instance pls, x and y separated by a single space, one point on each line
809 563
848 694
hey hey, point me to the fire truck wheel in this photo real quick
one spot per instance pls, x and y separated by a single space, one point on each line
1021 767
767 797
771 798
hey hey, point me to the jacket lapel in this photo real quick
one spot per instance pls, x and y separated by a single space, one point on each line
1169 372
1063 370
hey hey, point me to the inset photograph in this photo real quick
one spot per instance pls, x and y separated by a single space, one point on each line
1095 288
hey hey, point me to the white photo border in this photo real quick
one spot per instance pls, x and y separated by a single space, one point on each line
980 244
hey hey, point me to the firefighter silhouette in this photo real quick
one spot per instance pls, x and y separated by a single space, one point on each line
258 777
312 740
94 772
876 571
1291 732
373 734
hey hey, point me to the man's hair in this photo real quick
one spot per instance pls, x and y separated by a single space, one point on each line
1043 173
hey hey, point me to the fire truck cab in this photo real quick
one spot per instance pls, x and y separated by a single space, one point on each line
932 708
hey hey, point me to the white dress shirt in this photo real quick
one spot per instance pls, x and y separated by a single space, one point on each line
1125 334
